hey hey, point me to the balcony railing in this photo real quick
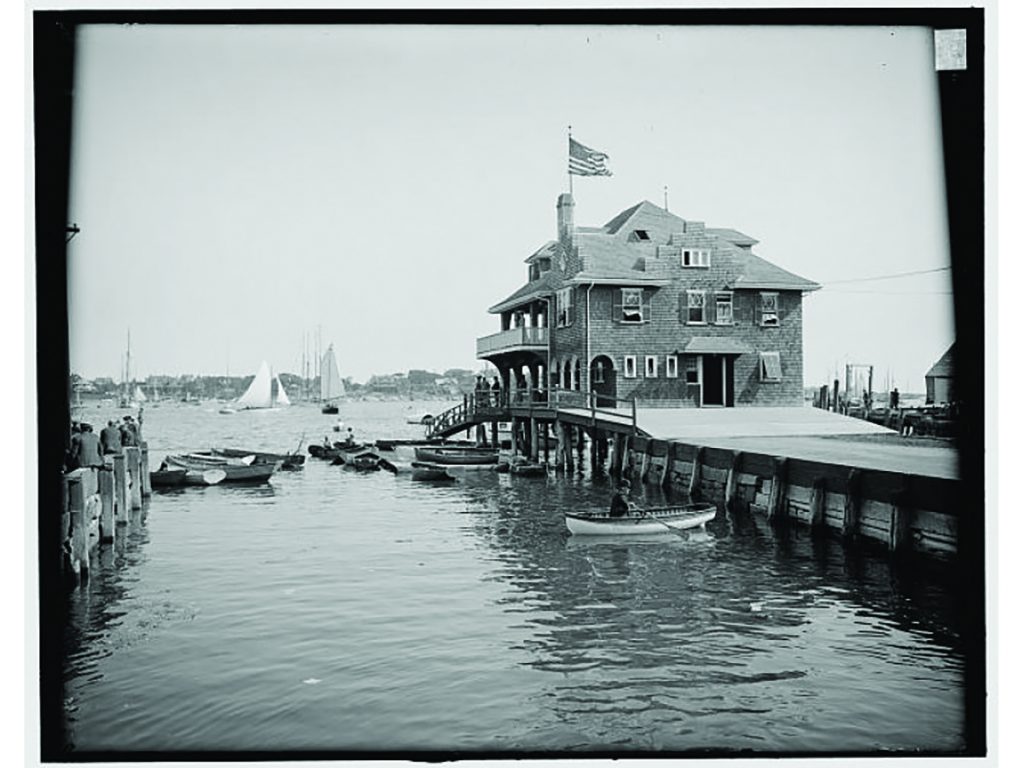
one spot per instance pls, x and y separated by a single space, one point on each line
514 338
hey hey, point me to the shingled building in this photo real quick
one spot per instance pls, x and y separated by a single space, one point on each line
656 307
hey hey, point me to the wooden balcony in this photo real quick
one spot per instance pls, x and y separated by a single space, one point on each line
513 340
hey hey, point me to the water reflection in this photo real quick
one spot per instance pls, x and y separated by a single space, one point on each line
666 629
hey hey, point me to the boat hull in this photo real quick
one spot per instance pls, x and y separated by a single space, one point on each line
233 473
288 460
649 521
457 456
423 471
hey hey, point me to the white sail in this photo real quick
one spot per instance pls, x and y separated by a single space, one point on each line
331 385
282 396
258 393
139 396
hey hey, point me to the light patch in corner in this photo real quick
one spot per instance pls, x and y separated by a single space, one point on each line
950 49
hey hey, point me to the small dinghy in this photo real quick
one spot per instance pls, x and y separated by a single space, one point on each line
642 521
432 472
179 476
456 456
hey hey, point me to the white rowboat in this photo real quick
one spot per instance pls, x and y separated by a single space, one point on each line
643 521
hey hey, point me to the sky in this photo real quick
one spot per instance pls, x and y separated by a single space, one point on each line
243 190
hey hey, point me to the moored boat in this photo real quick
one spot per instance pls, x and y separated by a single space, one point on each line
424 471
528 469
288 460
235 470
456 456
172 477
642 521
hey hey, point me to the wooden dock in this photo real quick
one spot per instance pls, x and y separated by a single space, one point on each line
98 502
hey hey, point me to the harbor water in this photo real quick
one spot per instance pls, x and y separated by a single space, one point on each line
335 610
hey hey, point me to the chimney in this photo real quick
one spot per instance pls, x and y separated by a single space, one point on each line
566 228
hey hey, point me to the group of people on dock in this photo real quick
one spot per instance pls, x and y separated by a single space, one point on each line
488 395
88 449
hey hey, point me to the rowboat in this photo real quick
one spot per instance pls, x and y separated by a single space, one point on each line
288 460
457 456
642 521
359 457
235 470
177 476
424 471
528 469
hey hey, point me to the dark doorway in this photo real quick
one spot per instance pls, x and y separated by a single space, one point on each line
718 387
602 381
713 379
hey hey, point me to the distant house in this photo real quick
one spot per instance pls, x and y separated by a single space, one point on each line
656 307
938 382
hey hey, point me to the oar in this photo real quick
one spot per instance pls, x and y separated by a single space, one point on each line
299 446
647 514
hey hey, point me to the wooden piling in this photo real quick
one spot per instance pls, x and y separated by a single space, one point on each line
106 483
694 487
851 506
79 528
120 488
546 442
666 470
134 476
899 519
645 462
817 505
778 492
732 480
579 447
567 437
147 489
534 439
593 450
620 453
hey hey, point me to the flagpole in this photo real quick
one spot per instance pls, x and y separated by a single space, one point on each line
567 165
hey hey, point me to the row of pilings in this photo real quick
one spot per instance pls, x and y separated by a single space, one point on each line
903 511
98 503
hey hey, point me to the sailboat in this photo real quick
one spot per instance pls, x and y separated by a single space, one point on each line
260 393
331 385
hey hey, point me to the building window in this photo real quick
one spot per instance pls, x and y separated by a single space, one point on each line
672 367
771 366
641 234
696 257
563 307
599 372
723 308
651 366
692 375
632 305
769 309
695 307
629 366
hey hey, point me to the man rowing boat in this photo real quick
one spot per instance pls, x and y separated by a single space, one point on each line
621 505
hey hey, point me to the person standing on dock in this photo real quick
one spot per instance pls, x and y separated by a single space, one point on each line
496 392
89 448
110 438
129 434
71 457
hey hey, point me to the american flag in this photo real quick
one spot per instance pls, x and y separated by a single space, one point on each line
584 161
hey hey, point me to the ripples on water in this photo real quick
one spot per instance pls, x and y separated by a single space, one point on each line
342 611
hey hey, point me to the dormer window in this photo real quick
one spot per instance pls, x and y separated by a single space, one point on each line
640 235
695 257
